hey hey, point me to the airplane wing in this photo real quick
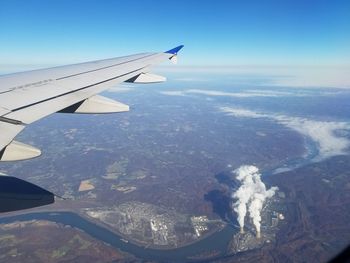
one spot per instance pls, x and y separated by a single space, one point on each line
29 96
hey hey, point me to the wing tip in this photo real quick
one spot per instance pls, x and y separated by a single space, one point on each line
174 50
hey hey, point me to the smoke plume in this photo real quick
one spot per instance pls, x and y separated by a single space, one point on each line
251 194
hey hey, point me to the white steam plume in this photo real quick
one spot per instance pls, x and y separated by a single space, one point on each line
252 194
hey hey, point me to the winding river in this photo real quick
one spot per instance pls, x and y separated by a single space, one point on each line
217 241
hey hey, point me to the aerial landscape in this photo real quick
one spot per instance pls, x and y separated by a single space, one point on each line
226 161
163 176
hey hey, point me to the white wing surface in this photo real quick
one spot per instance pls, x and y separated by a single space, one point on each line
29 96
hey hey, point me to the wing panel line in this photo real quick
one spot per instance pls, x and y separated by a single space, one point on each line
73 91
111 66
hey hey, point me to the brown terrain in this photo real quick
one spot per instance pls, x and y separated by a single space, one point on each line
44 241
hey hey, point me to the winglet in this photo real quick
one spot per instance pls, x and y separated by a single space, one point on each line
175 50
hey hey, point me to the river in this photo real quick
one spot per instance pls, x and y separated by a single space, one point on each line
217 241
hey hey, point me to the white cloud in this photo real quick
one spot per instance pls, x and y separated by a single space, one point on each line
230 94
192 79
119 89
241 94
279 93
173 93
239 112
323 133
251 93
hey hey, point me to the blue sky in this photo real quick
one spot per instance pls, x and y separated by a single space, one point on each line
281 32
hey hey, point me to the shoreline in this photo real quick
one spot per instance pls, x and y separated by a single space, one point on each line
179 254
100 223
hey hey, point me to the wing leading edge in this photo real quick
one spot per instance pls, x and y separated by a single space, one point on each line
29 96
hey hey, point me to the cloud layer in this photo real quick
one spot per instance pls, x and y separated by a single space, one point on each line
249 93
325 134
119 89
217 93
